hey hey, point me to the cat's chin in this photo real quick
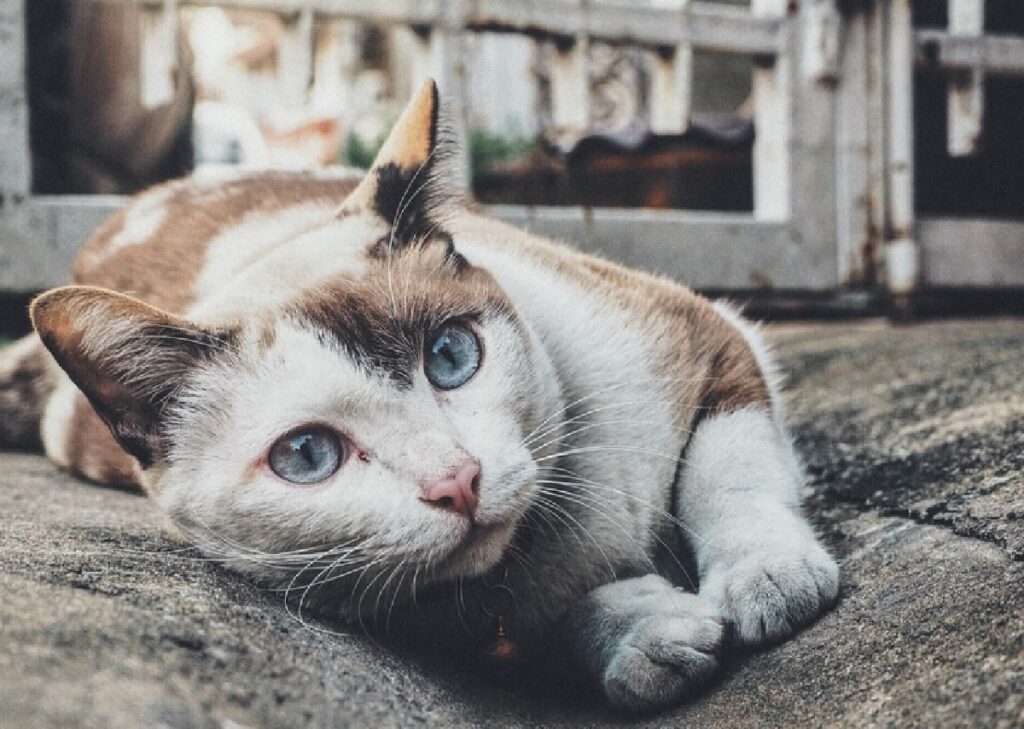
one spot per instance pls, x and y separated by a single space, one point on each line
481 549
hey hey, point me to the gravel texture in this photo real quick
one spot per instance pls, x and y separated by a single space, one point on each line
914 439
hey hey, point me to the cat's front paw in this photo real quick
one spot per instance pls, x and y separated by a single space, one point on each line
769 596
668 650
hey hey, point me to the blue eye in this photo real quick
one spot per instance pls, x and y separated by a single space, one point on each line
309 455
452 356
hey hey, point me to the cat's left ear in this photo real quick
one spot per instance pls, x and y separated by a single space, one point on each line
127 357
407 181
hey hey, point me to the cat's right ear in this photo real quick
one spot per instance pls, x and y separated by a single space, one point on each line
127 357
410 177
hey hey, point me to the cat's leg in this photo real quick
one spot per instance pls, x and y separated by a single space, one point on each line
759 561
26 380
647 643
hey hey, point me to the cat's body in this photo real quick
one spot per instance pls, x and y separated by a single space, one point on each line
608 415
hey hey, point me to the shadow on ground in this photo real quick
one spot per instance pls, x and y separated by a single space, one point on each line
914 439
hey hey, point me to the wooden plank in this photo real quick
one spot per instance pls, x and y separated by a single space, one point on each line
874 18
853 236
42 236
671 81
295 59
773 106
570 86
709 26
447 48
17 236
15 160
820 57
384 11
704 250
965 99
983 253
159 51
997 54
901 252
707 250
810 103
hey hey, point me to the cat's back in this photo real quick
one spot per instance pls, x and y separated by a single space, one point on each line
168 239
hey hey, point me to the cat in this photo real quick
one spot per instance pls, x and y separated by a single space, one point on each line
362 391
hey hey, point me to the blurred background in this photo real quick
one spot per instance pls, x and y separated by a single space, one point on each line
808 157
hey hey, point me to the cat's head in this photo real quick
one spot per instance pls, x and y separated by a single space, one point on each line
375 420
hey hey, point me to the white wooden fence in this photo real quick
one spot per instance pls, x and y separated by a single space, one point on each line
833 156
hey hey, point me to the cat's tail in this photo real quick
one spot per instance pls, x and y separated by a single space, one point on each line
27 378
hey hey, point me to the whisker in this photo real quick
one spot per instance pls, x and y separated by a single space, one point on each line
613 518
610 447
610 388
670 516
597 545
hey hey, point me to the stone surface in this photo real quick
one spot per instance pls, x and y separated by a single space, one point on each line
914 438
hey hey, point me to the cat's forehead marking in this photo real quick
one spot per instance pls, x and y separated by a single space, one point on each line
381 319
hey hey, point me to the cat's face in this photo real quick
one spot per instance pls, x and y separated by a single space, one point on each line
371 421
332 421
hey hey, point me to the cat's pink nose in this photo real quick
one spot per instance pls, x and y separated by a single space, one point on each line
456 492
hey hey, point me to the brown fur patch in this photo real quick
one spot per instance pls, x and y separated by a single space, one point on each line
92 452
381 319
163 269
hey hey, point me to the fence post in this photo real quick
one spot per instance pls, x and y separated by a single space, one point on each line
772 90
570 84
23 247
966 98
853 153
874 22
671 81
901 252
439 53
295 63
159 51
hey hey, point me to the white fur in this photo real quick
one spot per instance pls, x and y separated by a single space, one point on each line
626 439
408 437
142 219
650 642
269 257
57 420
760 563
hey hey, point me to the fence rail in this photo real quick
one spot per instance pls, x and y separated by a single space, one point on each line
833 155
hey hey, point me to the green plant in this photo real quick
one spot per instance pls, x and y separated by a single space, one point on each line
486 149
356 152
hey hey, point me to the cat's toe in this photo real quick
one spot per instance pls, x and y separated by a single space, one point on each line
768 599
664 658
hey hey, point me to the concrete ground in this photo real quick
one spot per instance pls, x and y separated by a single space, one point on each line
914 439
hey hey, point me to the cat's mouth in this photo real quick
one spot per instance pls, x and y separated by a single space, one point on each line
483 542
482 547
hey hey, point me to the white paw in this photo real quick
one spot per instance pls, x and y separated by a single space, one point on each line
768 596
668 649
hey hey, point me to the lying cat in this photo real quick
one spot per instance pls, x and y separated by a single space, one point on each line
409 415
